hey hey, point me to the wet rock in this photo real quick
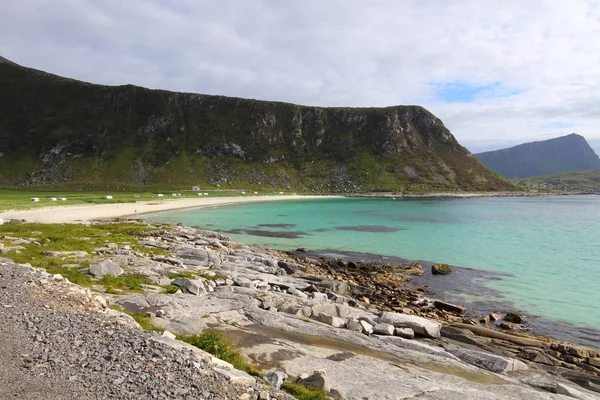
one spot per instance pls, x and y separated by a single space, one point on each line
275 378
440 269
317 380
105 268
419 325
513 317
495 316
445 306
415 269
384 329
405 333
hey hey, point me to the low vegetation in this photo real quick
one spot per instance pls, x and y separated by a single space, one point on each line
580 181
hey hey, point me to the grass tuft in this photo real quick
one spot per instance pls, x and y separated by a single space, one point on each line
302 392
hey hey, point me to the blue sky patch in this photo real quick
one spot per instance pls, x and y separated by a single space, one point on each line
456 92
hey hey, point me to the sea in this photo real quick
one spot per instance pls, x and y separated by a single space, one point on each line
536 255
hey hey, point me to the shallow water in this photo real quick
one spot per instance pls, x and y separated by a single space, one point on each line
544 249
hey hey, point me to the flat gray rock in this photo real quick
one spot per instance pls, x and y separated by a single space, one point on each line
421 326
105 268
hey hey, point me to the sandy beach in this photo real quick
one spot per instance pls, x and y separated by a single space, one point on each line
79 214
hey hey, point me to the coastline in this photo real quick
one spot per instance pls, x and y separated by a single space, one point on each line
468 195
84 213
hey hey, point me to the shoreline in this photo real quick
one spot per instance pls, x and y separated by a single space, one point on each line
86 213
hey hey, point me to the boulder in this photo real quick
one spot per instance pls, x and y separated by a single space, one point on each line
275 378
445 306
595 362
317 380
290 268
195 287
419 325
105 268
440 269
384 329
354 325
244 282
513 317
415 269
405 333
464 336
338 287
169 335
319 296
329 320
495 316
367 327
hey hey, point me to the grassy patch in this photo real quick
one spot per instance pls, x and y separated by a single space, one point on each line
132 283
185 274
216 344
303 393
170 289
145 322
72 274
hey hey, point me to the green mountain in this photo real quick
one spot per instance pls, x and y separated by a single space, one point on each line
579 181
63 132
562 154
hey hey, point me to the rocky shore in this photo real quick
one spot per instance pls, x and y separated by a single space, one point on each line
350 329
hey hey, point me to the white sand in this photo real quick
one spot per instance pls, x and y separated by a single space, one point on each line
78 214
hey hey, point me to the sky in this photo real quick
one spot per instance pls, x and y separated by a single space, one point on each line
497 73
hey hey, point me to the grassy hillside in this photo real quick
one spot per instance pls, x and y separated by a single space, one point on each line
580 181
558 155
66 133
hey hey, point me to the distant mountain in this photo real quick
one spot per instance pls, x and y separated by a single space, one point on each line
58 131
554 156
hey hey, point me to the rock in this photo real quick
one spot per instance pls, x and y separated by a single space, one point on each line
384 329
415 269
453 308
236 377
405 333
464 336
354 325
570 392
302 250
290 268
595 362
275 378
336 322
195 287
495 316
264 395
338 287
318 380
367 327
440 269
419 325
513 317
538 356
244 282
494 334
169 335
245 396
319 296
488 361
106 267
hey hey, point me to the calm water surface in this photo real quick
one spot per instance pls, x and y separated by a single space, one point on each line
548 247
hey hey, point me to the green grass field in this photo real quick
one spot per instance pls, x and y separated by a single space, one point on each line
13 199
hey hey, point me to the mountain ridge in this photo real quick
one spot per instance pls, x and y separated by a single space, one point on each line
545 157
61 131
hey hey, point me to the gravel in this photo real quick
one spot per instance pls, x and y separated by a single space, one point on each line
58 344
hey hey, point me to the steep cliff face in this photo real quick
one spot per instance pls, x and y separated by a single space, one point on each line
554 156
65 132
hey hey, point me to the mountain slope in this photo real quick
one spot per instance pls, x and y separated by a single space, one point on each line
579 181
58 131
562 154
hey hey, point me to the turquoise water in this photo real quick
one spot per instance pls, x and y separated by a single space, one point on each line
549 245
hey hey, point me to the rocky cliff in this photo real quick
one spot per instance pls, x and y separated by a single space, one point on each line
554 156
58 131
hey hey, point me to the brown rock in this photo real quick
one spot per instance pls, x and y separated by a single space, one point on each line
495 316
595 362
441 269
453 308
494 334
415 269
538 356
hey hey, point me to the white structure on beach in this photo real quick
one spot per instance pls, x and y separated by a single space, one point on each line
53 199
206 194
62 198
35 199
108 197
174 194
160 195
195 188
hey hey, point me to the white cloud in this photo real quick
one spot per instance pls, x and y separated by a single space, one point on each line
541 57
